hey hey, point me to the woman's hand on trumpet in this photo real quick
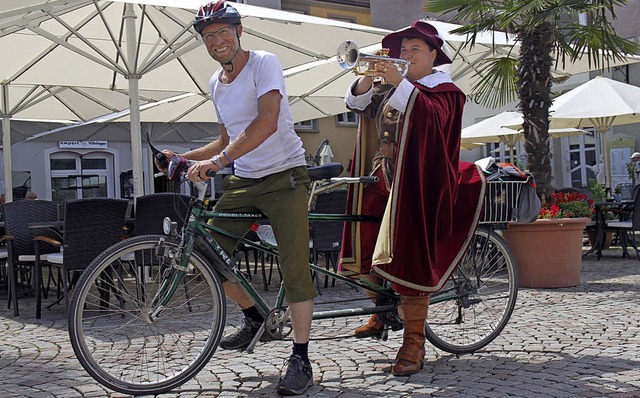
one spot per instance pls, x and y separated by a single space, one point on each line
389 72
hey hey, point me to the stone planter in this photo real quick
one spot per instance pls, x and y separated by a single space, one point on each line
548 253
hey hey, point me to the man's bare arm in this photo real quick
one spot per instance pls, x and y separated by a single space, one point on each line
212 148
261 128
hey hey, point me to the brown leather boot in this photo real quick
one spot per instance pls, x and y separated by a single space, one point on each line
373 328
410 357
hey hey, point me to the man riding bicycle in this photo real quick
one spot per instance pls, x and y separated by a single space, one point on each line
257 140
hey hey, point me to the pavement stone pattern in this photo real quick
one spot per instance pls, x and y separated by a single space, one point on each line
571 342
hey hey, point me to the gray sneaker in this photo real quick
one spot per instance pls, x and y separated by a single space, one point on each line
298 378
241 339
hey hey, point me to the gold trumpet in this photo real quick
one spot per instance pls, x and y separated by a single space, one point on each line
350 57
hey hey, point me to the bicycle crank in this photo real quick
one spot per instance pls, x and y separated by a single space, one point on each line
278 323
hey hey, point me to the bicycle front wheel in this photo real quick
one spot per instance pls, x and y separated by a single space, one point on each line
117 336
477 301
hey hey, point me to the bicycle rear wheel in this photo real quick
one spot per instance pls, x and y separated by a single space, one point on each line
477 301
110 325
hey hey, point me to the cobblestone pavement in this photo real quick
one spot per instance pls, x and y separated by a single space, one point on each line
571 342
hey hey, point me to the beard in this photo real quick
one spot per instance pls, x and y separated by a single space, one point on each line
223 58
228 55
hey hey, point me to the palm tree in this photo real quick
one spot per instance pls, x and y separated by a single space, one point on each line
547 32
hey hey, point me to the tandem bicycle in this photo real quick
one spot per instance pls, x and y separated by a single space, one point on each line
149 312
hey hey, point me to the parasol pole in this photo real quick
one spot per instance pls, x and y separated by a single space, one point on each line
134 100
6 145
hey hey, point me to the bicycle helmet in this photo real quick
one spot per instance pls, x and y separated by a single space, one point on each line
215 12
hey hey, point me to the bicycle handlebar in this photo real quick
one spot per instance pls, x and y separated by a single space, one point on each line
178 165
355 180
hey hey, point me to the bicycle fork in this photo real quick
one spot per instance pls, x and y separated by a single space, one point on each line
173 276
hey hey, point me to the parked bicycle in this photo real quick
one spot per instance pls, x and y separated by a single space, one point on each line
148 313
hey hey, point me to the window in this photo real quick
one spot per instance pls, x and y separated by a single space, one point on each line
343 18
307 126
347 119
75 176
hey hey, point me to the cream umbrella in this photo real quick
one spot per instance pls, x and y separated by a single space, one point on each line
505 127
141 45
599 103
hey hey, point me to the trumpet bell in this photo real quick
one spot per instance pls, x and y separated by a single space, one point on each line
350 57
348 54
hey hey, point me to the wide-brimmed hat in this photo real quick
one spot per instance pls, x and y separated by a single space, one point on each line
635 155
421 30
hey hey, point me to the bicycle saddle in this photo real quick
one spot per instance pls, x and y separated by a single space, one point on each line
325 171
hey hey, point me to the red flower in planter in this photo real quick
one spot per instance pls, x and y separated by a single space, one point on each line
568 205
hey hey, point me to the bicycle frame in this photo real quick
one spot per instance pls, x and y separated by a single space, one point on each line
197 227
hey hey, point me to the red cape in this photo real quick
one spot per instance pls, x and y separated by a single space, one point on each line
434 206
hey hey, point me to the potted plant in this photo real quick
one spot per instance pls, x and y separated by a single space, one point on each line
631 171
548 252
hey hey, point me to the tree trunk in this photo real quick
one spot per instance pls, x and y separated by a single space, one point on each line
534 84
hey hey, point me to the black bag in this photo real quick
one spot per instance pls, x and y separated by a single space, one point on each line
529 203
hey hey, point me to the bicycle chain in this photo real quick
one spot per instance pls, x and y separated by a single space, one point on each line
279 310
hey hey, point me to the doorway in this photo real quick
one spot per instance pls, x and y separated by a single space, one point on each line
583 159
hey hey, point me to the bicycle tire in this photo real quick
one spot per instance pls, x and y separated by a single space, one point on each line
113 335
485 286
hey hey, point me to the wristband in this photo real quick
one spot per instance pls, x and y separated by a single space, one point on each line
216 160
227 156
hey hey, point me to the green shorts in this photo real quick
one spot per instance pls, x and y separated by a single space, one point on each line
282 197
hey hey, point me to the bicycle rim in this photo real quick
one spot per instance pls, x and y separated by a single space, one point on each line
111 331
484 291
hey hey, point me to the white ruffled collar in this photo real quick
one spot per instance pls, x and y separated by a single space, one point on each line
432 80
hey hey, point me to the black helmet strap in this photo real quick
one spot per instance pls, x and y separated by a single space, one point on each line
230 62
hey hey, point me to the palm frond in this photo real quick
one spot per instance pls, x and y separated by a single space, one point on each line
497 84
599 43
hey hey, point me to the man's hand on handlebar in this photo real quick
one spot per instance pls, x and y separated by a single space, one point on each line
202 170
173 166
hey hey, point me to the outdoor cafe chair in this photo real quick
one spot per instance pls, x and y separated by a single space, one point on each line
90 226
21 253
627 228
326 236
4 254
625 190
150 211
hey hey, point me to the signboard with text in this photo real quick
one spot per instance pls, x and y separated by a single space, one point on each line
82 144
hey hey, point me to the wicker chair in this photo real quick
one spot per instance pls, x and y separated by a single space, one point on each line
326 236
4 254
151 209
20 247
90 226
